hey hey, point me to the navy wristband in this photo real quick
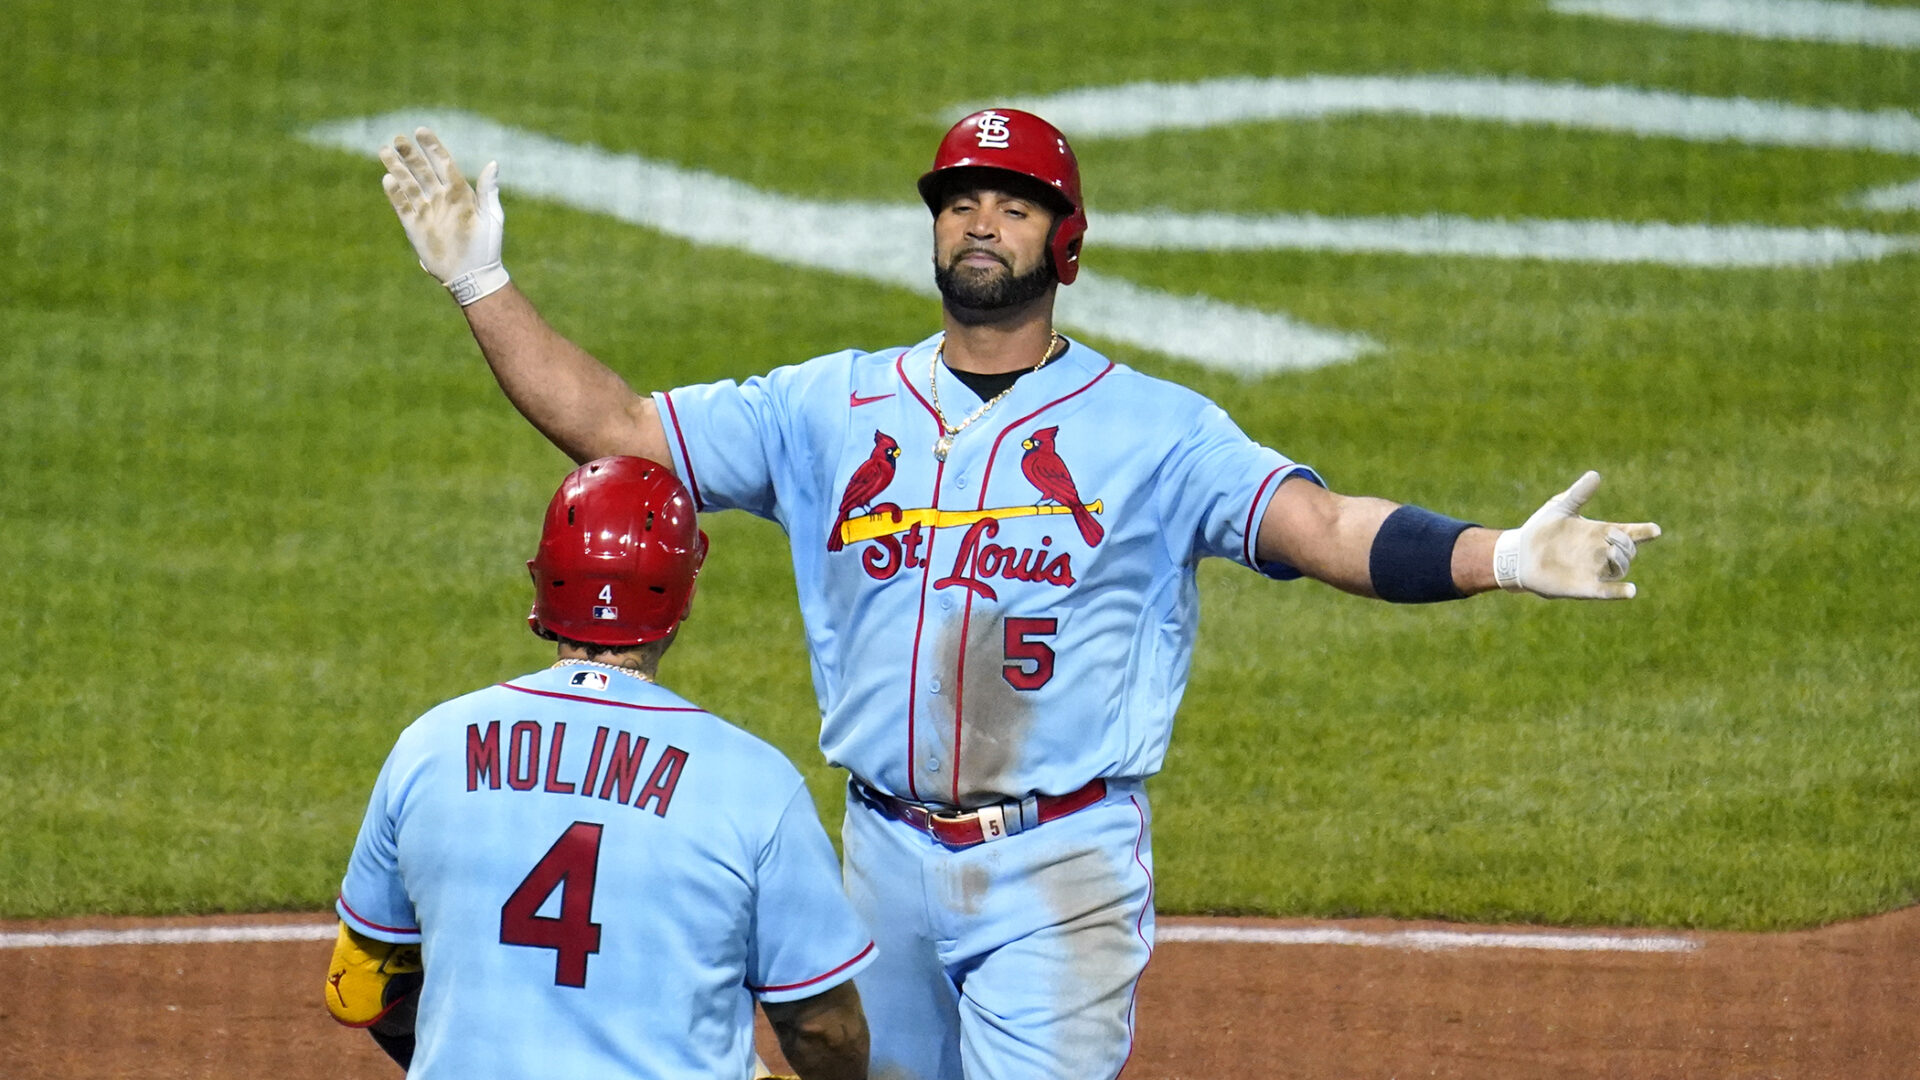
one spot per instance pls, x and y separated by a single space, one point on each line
1412 558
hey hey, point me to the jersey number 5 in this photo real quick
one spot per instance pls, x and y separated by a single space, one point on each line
1020 650
569 866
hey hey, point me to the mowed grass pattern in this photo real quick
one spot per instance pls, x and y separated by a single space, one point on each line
261 503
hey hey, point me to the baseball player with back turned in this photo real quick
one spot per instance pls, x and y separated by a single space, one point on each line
598 877
994 536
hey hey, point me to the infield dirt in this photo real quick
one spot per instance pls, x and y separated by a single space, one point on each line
1829 1004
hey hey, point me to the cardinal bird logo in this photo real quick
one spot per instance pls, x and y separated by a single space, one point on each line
866 484
1046 471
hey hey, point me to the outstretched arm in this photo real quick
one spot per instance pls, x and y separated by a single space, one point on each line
1350 543
1330 537
574 399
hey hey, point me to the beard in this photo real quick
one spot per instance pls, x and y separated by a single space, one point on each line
988 290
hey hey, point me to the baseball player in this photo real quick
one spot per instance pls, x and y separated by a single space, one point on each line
597 877
994 535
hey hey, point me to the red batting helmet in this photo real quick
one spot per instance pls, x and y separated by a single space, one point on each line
618 554
1021 143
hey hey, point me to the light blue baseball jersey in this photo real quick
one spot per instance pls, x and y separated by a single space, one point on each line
1016 618
602 877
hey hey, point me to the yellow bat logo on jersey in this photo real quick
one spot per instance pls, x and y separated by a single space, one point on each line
896 537
889 519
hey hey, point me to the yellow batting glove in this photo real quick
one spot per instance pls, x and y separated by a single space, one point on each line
360 974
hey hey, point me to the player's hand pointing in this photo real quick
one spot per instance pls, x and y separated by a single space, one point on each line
455 230
1558 553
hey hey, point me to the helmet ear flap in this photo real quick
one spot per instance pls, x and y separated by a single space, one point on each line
1064 248
693 579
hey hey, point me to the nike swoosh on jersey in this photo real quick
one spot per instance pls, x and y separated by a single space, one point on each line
854 400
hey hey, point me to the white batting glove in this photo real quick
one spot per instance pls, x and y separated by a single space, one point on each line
1560 554
455 231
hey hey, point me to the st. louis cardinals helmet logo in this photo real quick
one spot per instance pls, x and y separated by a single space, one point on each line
866 484
993 131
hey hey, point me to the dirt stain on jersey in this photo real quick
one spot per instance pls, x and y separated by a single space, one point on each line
994 718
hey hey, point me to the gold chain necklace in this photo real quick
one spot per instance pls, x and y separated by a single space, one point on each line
945 444
609 667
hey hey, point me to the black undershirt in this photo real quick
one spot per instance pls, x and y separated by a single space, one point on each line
985 387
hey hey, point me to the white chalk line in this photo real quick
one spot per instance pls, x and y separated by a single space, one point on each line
1426 940
1893 198
1414 940
1141 108
1787 20
887 243
169 935
1653 243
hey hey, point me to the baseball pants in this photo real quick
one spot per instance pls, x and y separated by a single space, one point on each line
1010 960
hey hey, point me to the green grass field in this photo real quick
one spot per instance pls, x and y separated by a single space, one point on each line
261 503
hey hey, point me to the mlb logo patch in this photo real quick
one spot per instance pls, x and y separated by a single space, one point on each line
591 680
605 611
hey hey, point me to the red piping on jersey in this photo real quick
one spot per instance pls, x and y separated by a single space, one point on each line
603 701
1008 430
900 360
966 617
1246 536
795 986
1138 927
364 921
926 575
960 684
692 484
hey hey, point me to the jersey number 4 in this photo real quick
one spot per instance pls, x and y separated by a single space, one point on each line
569 866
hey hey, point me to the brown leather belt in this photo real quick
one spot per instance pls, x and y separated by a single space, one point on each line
962 829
